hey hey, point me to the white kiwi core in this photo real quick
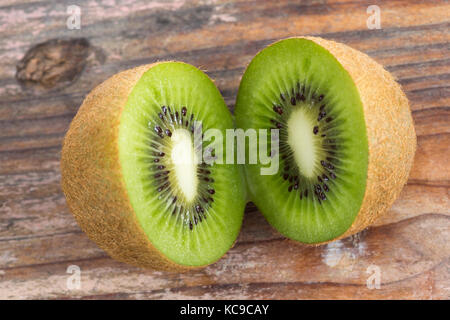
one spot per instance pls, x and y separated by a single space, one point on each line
302 141
184 162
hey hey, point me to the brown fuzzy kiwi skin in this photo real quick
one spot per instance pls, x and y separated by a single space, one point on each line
390 132
92 180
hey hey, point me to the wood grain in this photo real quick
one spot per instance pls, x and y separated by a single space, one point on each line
39 238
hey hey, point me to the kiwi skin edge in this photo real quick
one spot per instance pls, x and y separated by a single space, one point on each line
90 153
390 132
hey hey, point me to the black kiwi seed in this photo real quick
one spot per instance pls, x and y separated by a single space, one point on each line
316 130
320 179
293 102
211 191
164 109
278 110
325 177
285 176
325 187
322 115
328 119
320 97
162 187
168 132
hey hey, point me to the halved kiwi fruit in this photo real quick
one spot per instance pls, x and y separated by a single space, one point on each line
131 176
346 143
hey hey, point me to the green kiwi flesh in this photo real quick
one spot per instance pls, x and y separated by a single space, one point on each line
191 212
300 88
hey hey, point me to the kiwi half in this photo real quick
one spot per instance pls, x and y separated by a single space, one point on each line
347 139
123 182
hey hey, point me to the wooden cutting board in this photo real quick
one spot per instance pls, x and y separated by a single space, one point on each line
408 250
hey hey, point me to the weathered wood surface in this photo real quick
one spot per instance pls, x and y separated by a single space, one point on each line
39 239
